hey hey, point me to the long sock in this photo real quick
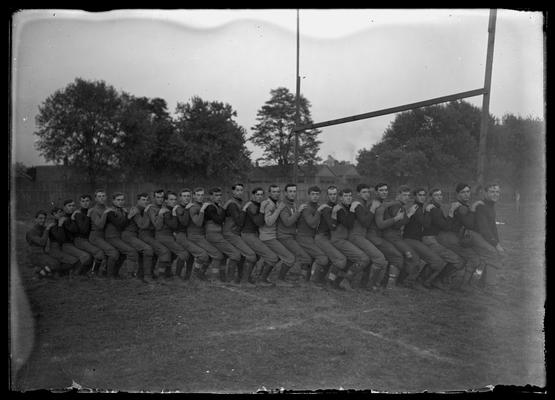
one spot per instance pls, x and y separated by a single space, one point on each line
111 266
374 276
96 266
168 270
163 267
231 272
240 268
432 277
365 278
140 266
199 271
214 270
247 270
189 267
392 276
283 271
447 272
78 268
322 273
154 263
147 265
266 270
179 267
315 272
307 271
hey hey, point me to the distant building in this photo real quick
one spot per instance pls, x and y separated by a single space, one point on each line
323 174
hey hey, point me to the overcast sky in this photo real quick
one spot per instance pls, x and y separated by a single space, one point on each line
351 62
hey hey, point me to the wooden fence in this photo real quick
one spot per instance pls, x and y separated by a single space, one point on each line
29 196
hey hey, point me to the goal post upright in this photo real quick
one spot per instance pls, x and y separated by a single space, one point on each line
297 110
485 100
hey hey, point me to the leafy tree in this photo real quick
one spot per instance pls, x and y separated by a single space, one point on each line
516 153
427 146
274 130
79 127
148 135
209 142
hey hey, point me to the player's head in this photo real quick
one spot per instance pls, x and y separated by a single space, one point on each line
314 194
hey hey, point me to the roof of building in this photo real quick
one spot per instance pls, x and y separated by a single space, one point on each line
274 172
344 170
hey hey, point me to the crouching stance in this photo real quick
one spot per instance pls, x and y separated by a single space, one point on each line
250 234
337 261
37 238
413 234
214 217
344 221
392 218
98 215
165 224
116 222
138 219
57 237
306 230
235 216
196 234
373 276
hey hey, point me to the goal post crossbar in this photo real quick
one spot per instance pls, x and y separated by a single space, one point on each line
393 110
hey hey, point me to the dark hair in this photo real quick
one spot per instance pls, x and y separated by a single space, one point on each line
256 189
461 186
417 190
361 186
314 189
198 189
237 184
160 191
331 187
41 212
436 189
55 210
99 191
490 185
403 189
379 185
273 185
168 193
344 191
86 196
288 186
117 194
215 190
66 202
143 194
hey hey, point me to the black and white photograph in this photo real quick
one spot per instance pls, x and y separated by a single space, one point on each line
277 200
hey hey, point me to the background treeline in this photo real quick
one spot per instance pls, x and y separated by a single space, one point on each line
90 125
438 145
107 133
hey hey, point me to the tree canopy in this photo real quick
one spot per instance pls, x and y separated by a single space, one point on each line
79 126
438 145
90 125
274 130
208 141
147 134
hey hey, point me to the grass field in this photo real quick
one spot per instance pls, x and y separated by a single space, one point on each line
129 336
